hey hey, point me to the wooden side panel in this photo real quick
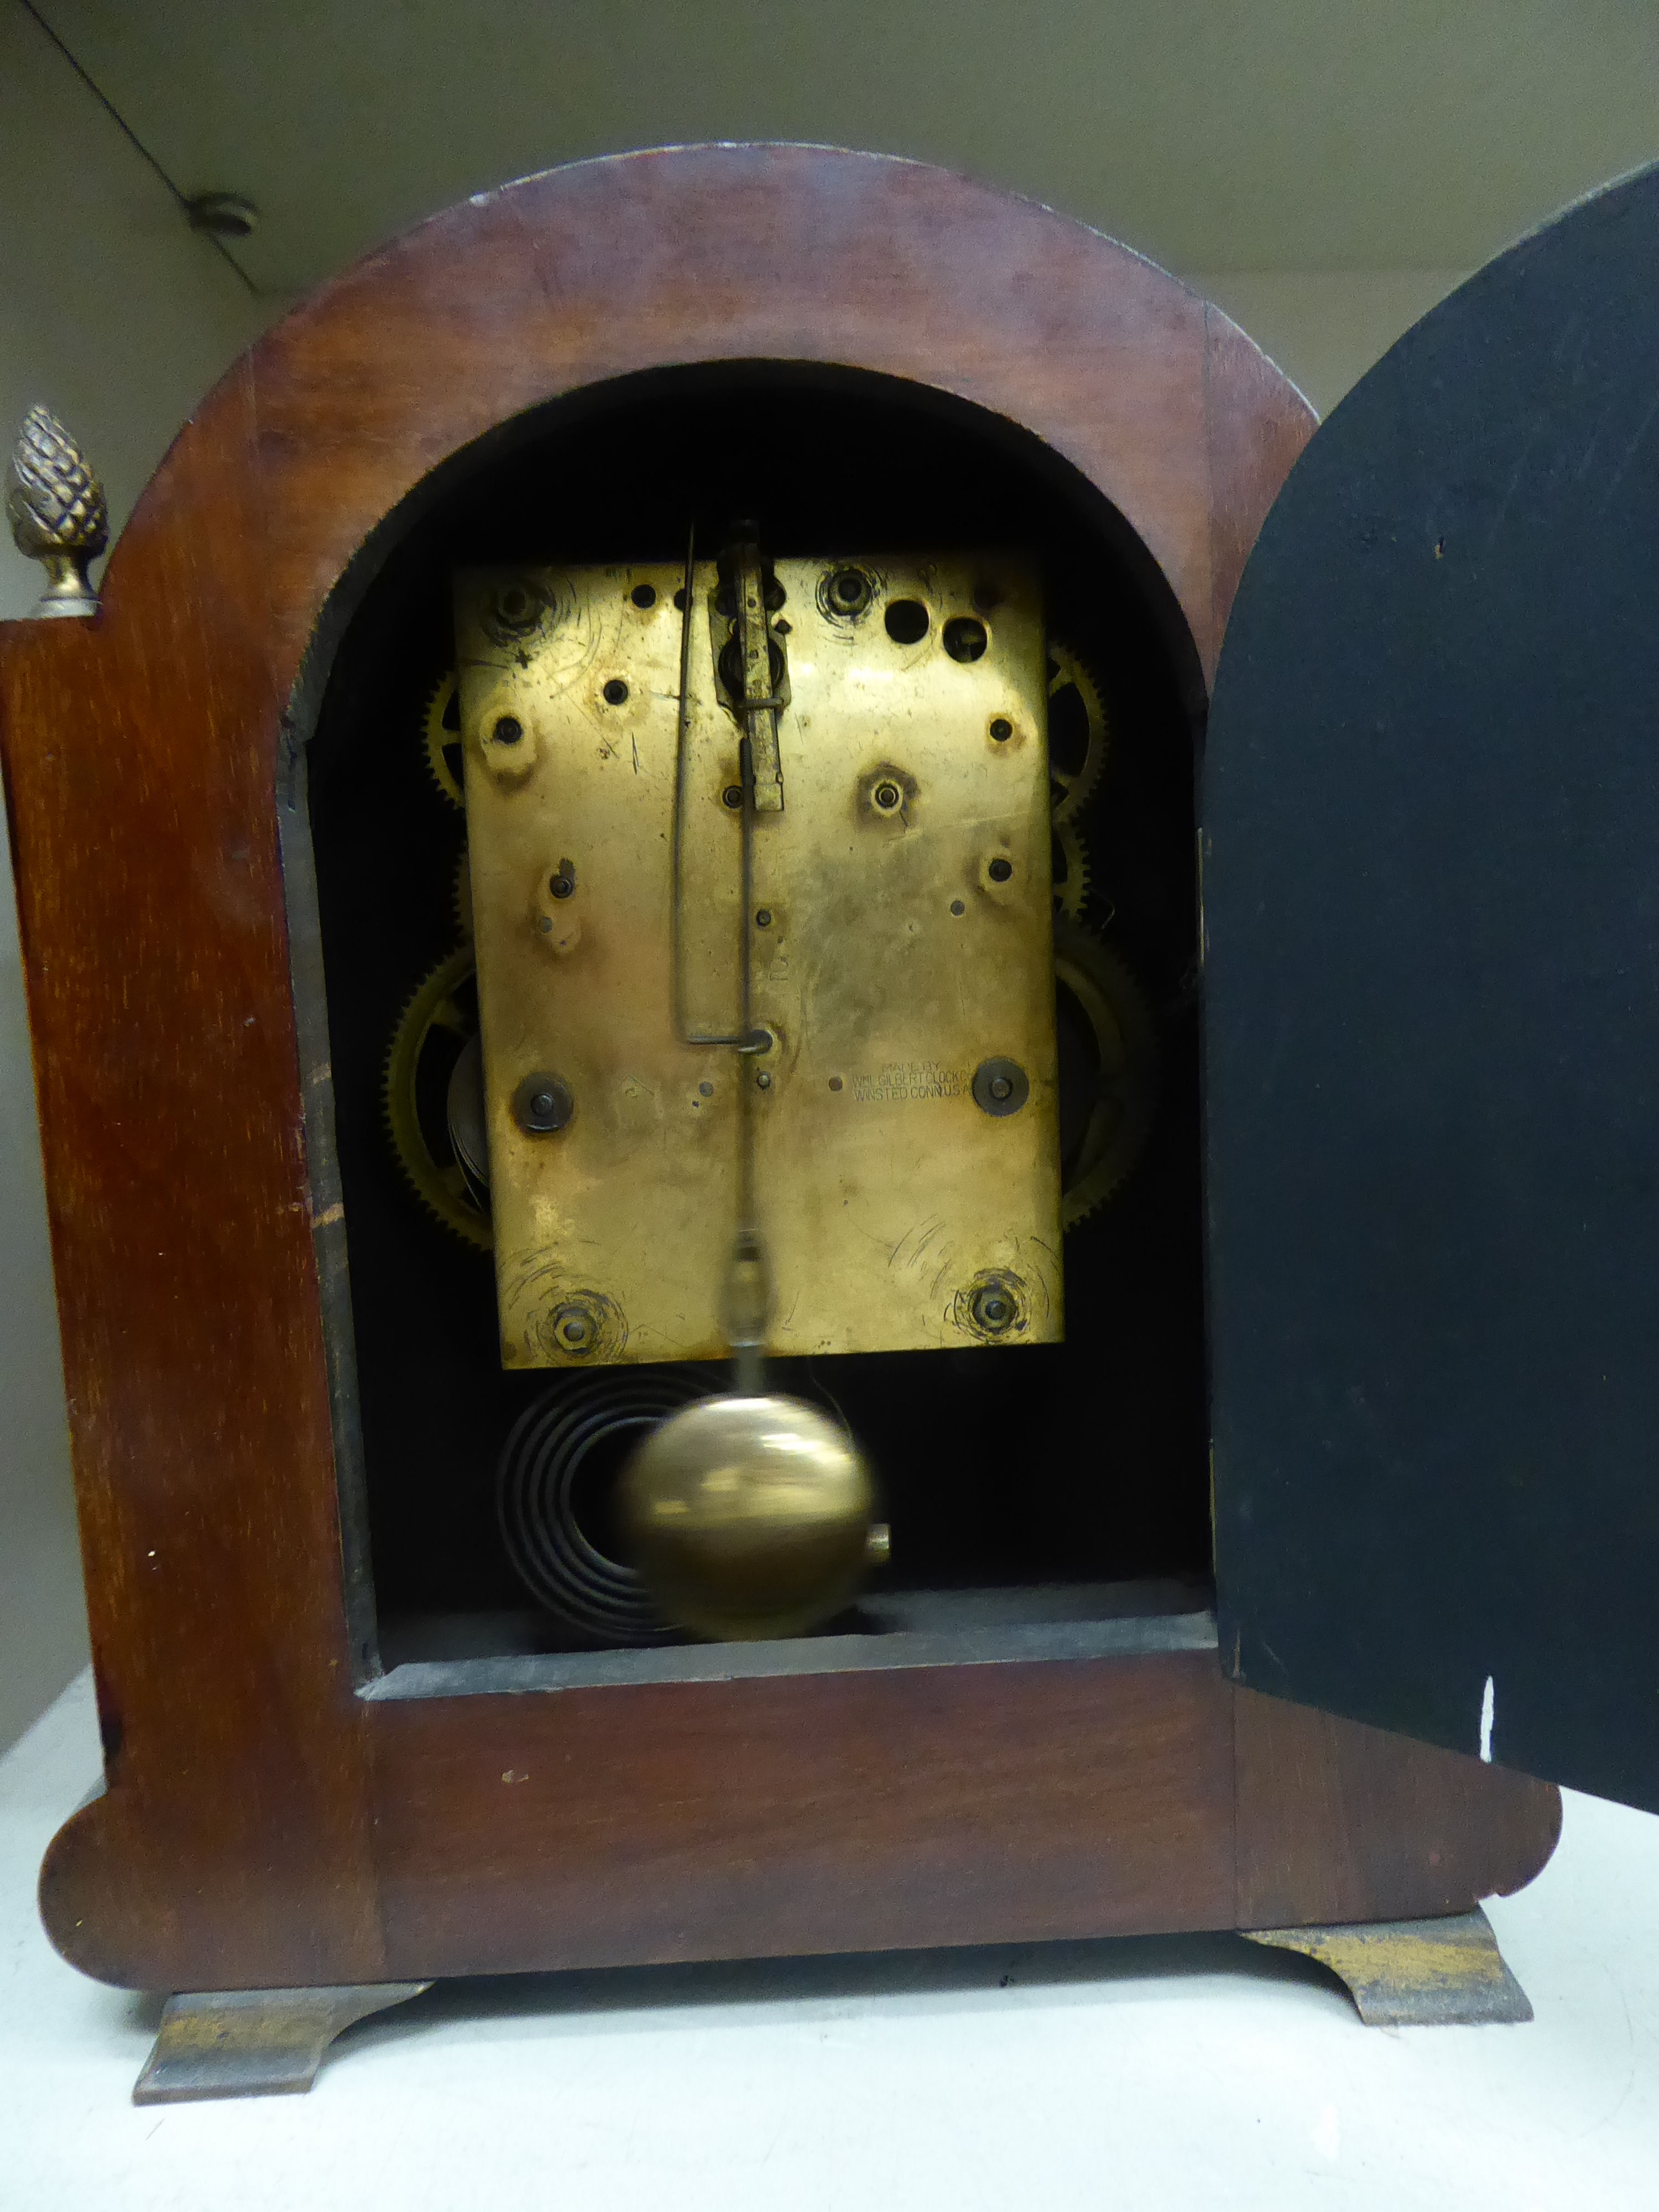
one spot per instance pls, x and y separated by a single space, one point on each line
1340 1822
140 775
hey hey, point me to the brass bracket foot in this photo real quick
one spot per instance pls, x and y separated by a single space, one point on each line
1414 1974
253 2043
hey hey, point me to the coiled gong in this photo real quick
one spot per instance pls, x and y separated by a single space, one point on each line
551 1486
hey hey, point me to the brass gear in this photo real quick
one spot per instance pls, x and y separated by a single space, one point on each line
1073 783
1071 872
1125 1075
440 727
446 1002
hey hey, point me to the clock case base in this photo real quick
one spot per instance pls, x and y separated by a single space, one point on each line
1160 1799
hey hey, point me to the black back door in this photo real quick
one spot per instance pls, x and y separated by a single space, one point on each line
1430 824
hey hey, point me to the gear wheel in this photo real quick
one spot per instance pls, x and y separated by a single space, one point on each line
1079 732
1107 1035
440 727
1071 872
432 1058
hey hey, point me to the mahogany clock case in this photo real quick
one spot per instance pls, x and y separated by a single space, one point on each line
563 361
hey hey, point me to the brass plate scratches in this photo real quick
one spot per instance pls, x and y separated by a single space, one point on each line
900 931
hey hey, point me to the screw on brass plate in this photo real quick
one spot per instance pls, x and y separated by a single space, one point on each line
616 692
542 1105
564 883
1000 1086
1002 729
763 1081
993 1308
958 906
763 917
574 1329
848 592
517 608
733 796
887 796
999 871
508 731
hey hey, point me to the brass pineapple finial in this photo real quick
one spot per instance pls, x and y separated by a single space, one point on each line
57 513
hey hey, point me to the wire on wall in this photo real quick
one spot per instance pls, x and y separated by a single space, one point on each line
183 200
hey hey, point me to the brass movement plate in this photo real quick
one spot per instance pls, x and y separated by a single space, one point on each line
900 937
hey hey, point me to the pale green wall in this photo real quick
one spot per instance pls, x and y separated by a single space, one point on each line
1326 328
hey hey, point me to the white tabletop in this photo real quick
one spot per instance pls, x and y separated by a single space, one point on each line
1181 2071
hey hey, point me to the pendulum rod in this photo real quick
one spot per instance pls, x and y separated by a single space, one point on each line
745 1300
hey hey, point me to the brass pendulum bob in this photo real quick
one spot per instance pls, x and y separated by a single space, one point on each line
751 1515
